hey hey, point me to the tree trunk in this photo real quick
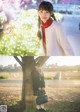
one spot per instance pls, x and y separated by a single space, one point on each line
28 98
28 63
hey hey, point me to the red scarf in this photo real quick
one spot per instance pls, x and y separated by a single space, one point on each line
45 25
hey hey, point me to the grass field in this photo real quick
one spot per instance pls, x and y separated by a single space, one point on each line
48 75
11 75
60 99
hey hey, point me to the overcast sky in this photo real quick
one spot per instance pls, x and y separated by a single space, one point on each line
6 60
60 60
64 60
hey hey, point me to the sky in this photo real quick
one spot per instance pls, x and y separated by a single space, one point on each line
64 60
7 60
60 60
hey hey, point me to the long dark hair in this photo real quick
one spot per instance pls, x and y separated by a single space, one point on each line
47 6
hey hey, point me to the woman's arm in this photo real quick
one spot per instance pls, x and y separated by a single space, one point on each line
63 42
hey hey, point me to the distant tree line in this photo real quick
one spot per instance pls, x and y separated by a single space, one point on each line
55 67
10 68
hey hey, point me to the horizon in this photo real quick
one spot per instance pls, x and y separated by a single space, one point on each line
59 60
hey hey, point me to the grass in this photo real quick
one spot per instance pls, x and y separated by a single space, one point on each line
15 102
31 110
3 77
57 107
64 106
11 75
60 99
53 106
48 78
17 107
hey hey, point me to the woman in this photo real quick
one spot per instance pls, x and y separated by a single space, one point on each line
38 85
52 38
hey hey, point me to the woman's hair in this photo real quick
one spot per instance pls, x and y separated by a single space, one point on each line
47 6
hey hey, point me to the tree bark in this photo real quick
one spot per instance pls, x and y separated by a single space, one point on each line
28 63
41 60
28 98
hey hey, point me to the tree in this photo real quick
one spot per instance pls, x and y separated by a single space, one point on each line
27 63
20 34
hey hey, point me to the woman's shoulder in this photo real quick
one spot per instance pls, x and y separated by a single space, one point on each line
56 24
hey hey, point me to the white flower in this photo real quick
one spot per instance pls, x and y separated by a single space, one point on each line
3 17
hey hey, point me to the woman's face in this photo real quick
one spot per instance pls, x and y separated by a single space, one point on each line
44 15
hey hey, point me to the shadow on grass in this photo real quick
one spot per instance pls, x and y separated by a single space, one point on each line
64 106
16 108
57 102
52 106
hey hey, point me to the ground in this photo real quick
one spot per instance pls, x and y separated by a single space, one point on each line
67 99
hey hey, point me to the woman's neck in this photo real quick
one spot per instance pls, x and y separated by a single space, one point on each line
47 23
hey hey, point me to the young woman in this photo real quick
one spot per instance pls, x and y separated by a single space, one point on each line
53 40
38 86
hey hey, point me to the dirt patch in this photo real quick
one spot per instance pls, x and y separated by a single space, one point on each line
61 98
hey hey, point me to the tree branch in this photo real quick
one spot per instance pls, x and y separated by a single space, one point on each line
37 59
18 60
41 60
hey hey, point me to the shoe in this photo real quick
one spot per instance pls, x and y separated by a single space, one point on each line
42 110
